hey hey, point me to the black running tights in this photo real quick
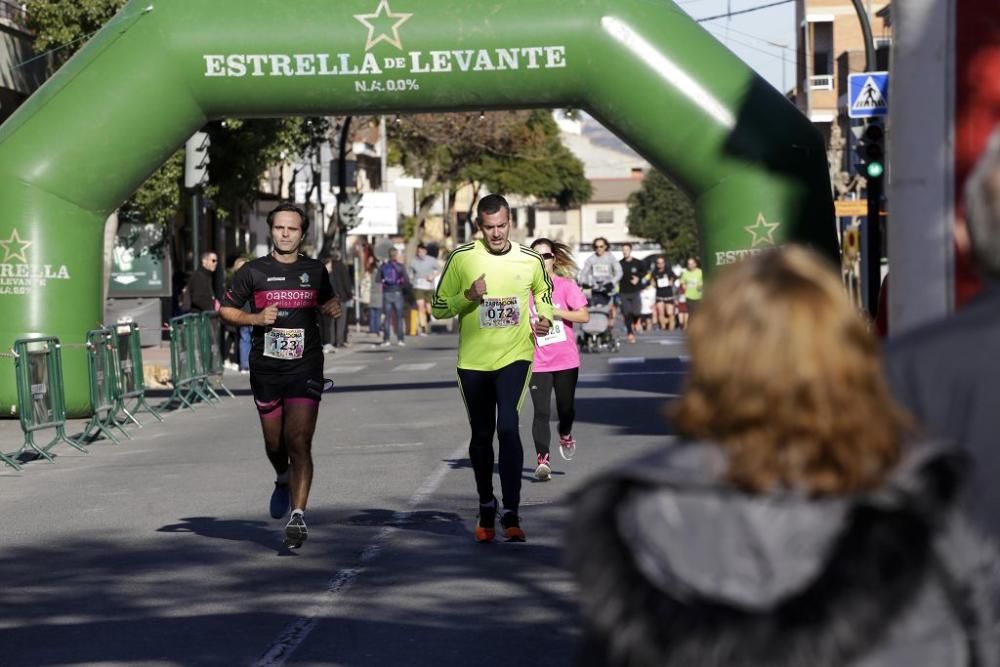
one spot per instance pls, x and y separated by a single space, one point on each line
542 384
493 399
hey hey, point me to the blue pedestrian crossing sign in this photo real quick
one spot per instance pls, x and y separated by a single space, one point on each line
868 95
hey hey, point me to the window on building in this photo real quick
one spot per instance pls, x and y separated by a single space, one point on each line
823 49
557 217
882 47
605 217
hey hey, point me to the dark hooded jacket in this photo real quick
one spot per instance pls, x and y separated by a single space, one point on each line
690 572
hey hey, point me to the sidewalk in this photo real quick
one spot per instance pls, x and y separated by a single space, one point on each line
157 373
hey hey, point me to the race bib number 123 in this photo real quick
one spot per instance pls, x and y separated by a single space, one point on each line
284 343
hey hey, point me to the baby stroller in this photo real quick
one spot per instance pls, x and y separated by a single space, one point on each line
597 335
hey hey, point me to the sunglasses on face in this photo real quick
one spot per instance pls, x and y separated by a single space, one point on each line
547 255
600 247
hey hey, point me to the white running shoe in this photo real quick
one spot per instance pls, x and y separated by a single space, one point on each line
544 471
567 446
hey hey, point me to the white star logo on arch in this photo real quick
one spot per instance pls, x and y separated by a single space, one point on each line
10 253
384 22
762 231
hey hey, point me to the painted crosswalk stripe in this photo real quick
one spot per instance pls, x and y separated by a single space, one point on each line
343 370
616 361
414 367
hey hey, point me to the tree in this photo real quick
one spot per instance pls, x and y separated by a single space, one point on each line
513 152
536 163
241 150
662 212
63 25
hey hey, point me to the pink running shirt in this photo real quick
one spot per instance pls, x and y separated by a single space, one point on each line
558 351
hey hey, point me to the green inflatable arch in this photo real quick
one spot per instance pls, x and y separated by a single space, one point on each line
161 68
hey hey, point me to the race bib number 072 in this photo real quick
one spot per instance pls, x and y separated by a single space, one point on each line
284 343
499 312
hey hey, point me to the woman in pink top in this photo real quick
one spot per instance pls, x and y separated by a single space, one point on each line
557 359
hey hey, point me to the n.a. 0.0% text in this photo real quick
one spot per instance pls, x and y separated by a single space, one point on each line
389 86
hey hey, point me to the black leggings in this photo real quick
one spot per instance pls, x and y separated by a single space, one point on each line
493 399
542 384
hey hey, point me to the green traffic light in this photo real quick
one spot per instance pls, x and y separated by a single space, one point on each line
874 169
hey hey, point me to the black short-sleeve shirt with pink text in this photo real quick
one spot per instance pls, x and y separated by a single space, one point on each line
292 344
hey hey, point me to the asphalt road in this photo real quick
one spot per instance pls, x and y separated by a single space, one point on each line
160 551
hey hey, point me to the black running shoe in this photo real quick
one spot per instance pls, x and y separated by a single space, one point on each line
296 531
511 525
280 500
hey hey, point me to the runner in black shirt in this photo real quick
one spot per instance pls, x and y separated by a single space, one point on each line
285 291
663 277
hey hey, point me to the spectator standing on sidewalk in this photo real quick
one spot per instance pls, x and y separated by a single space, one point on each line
202 285
243 332
340 280
948 372
392 277
424 269
796 522
374 297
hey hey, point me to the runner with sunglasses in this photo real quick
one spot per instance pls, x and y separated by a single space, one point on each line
557 358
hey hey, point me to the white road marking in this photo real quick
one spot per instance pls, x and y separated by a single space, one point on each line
343 370
282 648
616 361
388 445
414 367
605 376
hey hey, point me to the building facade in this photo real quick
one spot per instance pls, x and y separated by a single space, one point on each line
830 46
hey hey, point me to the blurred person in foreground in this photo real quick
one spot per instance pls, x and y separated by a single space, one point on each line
947 373
793 524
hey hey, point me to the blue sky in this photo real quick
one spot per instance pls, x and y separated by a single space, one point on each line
753 36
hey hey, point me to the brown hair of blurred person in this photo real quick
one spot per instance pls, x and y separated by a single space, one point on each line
787 377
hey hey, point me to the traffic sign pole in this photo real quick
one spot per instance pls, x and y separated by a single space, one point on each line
873 256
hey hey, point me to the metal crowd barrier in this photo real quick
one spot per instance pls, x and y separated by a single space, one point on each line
41 402
133 382
190 360
105 388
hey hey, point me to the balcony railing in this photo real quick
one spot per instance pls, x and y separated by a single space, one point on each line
821 82
14 14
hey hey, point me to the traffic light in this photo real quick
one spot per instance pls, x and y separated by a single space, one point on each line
196 160
871 151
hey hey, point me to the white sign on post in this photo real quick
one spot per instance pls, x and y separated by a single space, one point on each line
379 214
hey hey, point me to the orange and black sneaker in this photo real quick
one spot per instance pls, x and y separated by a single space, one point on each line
486 522
512 527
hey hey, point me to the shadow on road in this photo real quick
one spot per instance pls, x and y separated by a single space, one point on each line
257 532
432 597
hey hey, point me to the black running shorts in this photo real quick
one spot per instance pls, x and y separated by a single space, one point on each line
272 391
